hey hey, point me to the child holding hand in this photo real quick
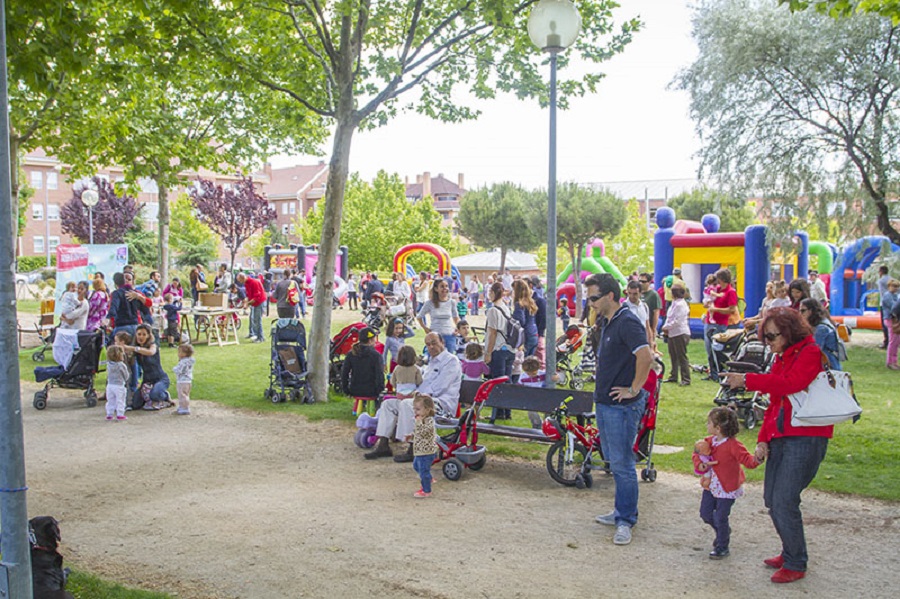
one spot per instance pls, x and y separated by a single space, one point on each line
424 442
726 476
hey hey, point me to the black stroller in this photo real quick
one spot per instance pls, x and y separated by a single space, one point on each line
79 374
288 374
742 352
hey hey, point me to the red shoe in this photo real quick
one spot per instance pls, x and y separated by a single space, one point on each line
776 562
784 575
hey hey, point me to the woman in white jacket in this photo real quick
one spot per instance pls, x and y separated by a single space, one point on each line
679 334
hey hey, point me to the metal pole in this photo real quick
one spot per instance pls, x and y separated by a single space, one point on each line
550 335
15 569
91 221
47 218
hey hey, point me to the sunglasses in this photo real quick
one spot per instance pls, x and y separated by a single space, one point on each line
770 337
595 298
644 281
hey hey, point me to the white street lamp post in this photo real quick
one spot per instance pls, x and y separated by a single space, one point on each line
89 198
553 26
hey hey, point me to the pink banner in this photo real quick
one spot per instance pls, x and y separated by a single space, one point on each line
71 256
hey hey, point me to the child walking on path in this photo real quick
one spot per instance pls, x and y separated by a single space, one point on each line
117 374
184 378
726 477
424 442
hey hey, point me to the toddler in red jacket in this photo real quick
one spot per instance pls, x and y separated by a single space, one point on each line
726 476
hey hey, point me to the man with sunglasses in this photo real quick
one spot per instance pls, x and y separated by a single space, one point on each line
623 363
651 298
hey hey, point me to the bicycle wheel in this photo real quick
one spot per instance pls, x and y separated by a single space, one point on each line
562 469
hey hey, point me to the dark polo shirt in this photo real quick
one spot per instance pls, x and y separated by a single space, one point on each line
620 337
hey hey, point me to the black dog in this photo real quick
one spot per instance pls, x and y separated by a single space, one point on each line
47 574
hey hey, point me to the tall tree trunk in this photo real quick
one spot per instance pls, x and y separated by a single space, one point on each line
163 229
320 331
502 260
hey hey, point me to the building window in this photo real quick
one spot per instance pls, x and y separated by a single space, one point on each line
293 206
52 211
151 212
284 208
284 229
54 241
38 244
292 229
37 212
37 180
52 180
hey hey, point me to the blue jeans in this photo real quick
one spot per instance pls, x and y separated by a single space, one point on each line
715 511
256 329
618 425
422 465
501 365
474 299
708 331
531 343
792 465
160 390
450 343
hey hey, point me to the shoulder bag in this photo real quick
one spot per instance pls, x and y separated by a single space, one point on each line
829 399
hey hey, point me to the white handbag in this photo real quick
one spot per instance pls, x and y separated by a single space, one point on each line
829 399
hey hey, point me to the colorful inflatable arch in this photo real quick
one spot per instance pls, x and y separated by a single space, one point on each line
443 259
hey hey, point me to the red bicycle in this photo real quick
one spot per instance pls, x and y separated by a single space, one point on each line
569 458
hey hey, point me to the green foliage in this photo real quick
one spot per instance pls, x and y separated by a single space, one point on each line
143 244
193 241
632 249
800 108
847 8
733 212
30 263
497 217
378 219
24 198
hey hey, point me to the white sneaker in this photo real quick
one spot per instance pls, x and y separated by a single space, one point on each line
607 519
623 535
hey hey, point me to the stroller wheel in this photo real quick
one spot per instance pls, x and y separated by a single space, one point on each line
90 398
267 394
648 475
750 419
579 482
295 395
479 464
308 396
576 384
453 469
40 400
38 356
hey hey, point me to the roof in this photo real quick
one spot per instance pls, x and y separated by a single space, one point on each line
491 261
286 182
440 186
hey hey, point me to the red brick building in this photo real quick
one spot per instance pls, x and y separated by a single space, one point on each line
445 193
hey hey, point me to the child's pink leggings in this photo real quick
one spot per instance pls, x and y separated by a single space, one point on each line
893 342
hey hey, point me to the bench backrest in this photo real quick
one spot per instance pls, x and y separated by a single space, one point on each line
518 397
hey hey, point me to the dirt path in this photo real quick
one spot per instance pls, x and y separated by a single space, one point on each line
232 504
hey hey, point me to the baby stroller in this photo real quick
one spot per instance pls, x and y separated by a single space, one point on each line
341 344
567 345
287 367
79 374
384 308
748 355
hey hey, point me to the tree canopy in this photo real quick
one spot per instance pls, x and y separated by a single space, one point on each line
192 241
497 217
378 219
798 108
847 8
632 248
733 212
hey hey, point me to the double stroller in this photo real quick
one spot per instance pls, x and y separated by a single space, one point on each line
384 308
288 373
78 374
567 346
741 351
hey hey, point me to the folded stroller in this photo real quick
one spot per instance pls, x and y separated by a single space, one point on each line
288 374
79 374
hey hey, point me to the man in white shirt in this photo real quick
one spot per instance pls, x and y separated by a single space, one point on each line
507 281
639 308
441 380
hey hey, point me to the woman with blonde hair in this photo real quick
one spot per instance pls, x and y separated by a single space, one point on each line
98 305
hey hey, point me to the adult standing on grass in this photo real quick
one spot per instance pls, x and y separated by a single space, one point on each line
890 305
824 333
280 296
77 319
256 299
623 363
723 307
883 280
524 310
422 287
540 317
198 283
442 310
651 298
793 452
679 334
498 354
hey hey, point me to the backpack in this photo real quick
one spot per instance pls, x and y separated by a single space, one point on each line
293 294
513 333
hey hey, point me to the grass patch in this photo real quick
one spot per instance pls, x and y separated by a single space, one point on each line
88 586
236 376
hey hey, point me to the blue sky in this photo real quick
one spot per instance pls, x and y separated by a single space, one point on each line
633 128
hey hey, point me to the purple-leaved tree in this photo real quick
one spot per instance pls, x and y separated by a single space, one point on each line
114 214
235 213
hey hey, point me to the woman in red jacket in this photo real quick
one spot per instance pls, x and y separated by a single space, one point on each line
793 452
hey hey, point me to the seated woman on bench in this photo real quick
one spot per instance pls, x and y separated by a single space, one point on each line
441 381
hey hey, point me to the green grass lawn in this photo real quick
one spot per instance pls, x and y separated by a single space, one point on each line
87 586
237 376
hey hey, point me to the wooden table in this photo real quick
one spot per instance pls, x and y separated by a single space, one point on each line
220 328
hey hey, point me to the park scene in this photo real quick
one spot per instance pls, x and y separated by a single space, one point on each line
642 337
